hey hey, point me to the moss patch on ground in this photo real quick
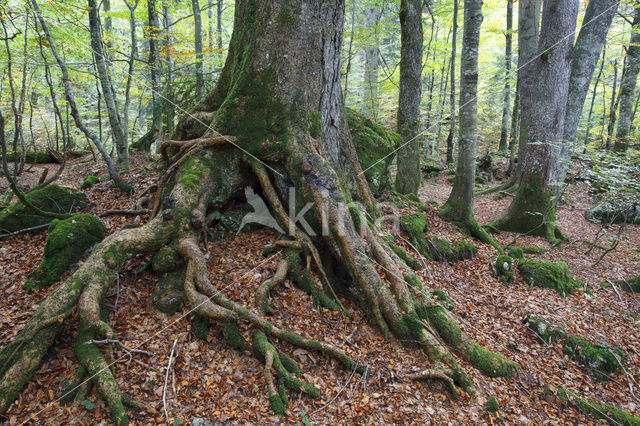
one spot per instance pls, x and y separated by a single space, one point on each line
89 181
67 242
629 284
373 142
502 268
547 332
51 198
548 274
599 359
599 410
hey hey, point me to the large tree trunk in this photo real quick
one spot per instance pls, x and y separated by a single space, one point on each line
408 174
533 208
279 100
596 23
628 85
506 103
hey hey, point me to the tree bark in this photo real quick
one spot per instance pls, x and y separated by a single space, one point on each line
115 120
452 97
153 35
408 174
371 61
596 22
533 207
593 100
197 33
506 103
613 107
628 85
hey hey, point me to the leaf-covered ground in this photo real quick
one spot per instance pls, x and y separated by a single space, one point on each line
210 380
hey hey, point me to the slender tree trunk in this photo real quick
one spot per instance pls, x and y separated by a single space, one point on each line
219 27
371 62
210 36
593 100
596 23
514 133
113 172
169 110
628 84
506 103
153 34
349 53
459 206
533 207
408 175
115 120
452 97
613 108
133 53
197 31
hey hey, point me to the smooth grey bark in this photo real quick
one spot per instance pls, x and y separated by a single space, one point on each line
370 99
219 26
533 207
349 58
133 53
68 91
613 107
506 102
408 174
153 34
169 109
197 23
452 96
513 134
444 83
596 22
528 34
593 100
115 120
14 108
628 84
459 205
210 34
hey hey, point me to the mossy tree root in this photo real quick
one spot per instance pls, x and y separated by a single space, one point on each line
262 294
469 225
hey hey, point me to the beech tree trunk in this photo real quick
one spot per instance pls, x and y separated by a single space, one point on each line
628 85
533 207
279 106
596 22
197 31
408 174
506 103
452 96
153 35
371 62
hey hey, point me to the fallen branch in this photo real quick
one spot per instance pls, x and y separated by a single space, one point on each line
166 379
123 212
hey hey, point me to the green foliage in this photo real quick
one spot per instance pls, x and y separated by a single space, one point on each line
548 274
547 332
51 198
67 242
599 359
373 142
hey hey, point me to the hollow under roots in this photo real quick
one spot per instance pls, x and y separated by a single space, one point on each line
395 301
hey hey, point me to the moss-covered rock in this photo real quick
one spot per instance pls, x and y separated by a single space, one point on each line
516 252
68 241
548 274
89 181
547 332
502 268
599 359
442 250
430 168
373 142
599 410
51 198
615 211
37 157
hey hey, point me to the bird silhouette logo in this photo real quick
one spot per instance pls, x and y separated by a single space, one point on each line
261 213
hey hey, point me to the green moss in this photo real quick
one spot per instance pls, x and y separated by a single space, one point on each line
38 157
548 274
233 336
89 181
168 295
277 405
51 198
489 363
533 250
200 326
411 261
413 281
448 330
67 242
630 284
599 359
492 405
372 143
502 268
291 366
599 410
516 252
192 173
463 249
547 332
315 126
304 282
442 250
441 295
166 259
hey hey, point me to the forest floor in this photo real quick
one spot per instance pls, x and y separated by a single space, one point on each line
210 380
